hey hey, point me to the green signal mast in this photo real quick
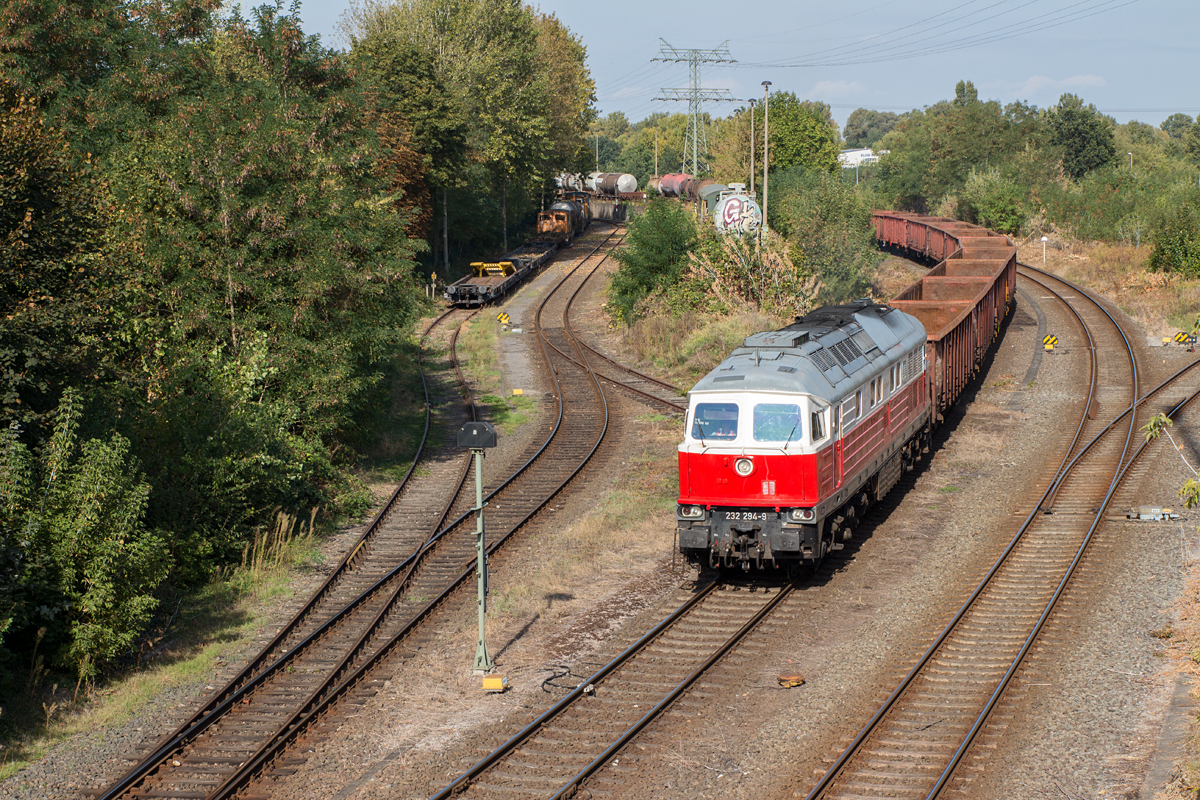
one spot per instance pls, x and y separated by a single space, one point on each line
695 95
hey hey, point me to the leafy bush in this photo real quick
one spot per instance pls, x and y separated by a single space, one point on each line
828 225
1177 236
82 568
732 273
994 201
655 255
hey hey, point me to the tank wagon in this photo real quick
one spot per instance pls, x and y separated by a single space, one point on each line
557 227
735 211
796 433
611 183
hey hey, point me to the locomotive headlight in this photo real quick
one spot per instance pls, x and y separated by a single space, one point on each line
690 512
743 466
800 515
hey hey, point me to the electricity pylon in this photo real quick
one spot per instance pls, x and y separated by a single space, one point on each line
695 95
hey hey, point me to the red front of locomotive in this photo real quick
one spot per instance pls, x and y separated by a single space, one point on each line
751 473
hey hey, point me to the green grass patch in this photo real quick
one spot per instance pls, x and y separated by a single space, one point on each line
508 413
478 352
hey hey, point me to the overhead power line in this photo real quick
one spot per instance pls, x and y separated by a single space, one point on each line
896 45
695 95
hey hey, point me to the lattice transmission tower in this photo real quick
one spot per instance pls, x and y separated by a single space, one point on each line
695 96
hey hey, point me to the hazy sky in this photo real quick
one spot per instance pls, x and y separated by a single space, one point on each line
1133 59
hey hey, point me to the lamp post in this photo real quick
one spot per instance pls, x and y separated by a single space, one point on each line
766 151
477 436
1044 240
752 164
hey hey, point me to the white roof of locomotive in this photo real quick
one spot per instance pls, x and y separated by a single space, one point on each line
827 353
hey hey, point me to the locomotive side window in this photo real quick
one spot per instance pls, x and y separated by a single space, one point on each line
818 426
715 421
777 422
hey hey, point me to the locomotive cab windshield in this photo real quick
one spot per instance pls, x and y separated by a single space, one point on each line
787 422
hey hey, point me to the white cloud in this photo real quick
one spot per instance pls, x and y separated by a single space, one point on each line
1040 85
826 89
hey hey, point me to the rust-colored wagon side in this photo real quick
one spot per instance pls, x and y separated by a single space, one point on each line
961 301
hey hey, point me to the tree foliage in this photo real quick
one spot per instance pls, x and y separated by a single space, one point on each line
865 127
49 265
1177 125
1083 134
655 255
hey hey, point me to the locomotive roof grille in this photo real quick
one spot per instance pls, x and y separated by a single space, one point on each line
822 359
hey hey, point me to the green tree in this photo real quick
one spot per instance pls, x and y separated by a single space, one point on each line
49 265
965 94
1083 134
654 257
269 273
562 61
865 127
802 134
614 125
1177 125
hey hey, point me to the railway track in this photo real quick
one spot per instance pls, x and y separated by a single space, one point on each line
588 727
364 614
620 375
916 740
191 758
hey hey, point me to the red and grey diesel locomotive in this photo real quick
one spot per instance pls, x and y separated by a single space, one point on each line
794 435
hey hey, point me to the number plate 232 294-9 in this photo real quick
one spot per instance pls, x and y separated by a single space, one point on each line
746 516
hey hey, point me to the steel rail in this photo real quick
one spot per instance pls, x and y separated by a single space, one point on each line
582 348
985 713
570 787
324 697
258 669
835 769
464 780
614 381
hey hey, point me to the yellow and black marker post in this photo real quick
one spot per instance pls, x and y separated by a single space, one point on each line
1049 341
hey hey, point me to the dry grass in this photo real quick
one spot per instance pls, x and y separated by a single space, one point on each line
1162 304
894 276
682 349
630 527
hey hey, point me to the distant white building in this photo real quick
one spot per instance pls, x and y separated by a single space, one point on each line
849 159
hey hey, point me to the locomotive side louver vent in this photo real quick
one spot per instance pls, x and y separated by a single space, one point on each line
912 365
823 359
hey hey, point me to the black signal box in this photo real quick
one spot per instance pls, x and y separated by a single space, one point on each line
476 435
